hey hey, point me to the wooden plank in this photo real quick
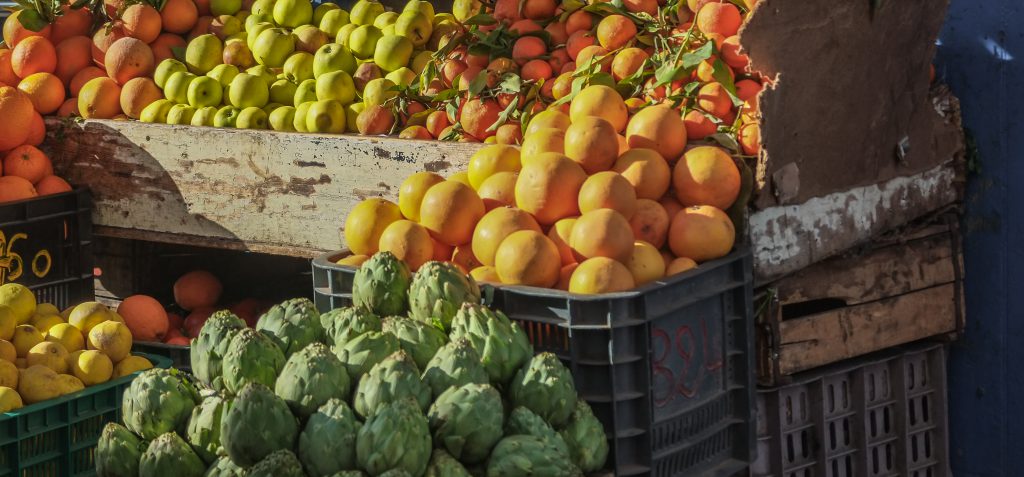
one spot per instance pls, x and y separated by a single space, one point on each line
853 331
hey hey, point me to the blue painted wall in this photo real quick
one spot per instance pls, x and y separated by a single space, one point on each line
980 57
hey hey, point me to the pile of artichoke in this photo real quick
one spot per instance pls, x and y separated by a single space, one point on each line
418 379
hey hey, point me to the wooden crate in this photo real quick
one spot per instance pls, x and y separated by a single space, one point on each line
905 288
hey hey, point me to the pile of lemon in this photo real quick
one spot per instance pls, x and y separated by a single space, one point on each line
46 353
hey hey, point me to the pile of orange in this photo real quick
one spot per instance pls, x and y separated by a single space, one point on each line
25 171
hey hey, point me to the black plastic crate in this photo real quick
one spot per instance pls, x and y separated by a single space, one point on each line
668 368
877 416
46 245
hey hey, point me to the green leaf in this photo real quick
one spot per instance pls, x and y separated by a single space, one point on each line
696 57
504 115
178 52
445 95
723 75
31 20
481 19
727 141
511 83
478 84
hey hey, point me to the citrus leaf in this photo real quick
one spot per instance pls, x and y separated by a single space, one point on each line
504 115
696 57
481 19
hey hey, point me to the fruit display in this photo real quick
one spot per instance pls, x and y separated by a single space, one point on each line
376 392
25 171
46 353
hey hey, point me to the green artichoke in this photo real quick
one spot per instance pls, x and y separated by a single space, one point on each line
381 285
502 345
529 456
366 350
523 421
204 427
390 380
310 378
251 357
455 364
395 473
158 401
293 325
442 464
420 339
437 292
545 387
280 463
588 444
209 347
397 437
349 473
343 324
256 424
118 452
328 443
223 467
170 456
468 421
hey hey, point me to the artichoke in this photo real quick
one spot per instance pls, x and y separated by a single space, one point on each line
468 421
343 324
169 455
420 339
251 357
328 443
397 437
293 325
280 463
366 350
223 467
390 380
588 444
349 473
381 285
395 473
158 401
204 428
310 378
545 387
118 452
208 348
437 292
455 364
523 421
529 456
502 345
442 464
256 424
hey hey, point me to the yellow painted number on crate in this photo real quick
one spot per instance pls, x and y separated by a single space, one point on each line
11 264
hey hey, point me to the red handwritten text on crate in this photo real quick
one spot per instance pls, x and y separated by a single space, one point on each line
687 362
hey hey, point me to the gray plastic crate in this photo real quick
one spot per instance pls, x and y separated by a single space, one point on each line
878 416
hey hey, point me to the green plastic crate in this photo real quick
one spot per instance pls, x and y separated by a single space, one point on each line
57 438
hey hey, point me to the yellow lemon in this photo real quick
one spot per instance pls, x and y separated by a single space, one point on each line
7 322
70 384
66 314
43 323
38 383
25 337
72 358
88 315
68 336
8 374
7 351
131 364
116 317
112 339
20 363
49 354
9 399
20 299
47 309
92 367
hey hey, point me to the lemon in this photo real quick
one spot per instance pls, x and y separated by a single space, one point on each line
66 313
25 337
68 336
8 374
49 354
47 309
70 384
43 323
131 364
9 399
20 299
72 358
88 315
7 351
38 383
92 367
112 339
7 322
20 363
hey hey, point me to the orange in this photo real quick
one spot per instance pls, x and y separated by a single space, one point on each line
646 170
557 32
100 98
592 142
509 133
523 27
17 112
71 23
698 126
408 241
73 55
560 233
33 55
179 16
201 27
375 120
615 31
578 41
561 87
450 211
490 160
623 144
499 190
36 131
52 185
197 289
415 132
15 32
14 188
103 38
145 317
436 122
494 227
485 274
536 70
548 188
660 128
527 257
412 190
579 20
366 222
7 76
714 99
548 118
559 58
69 108
646 264
719 18
706 71
671 205
706 175
627 62
463 256
747 89
701 233
751 111
163 46
82 77
601 101
565 275
650 222
462 177
539 9
128 58
749 137
142 21
595 55
649 7
731 54
113 7
507 11
442 252
478 115
679 265
547 140
600 275
608 190
27 162
602 233
45 90
527 48
138 93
